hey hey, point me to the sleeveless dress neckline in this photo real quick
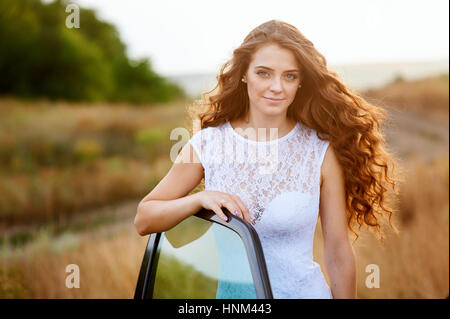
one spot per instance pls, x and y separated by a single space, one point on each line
289 134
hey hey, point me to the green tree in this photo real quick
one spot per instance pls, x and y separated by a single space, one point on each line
41 57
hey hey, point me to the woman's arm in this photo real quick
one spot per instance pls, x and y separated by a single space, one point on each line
338 252
167 204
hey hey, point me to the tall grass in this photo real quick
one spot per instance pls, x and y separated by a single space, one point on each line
108 259
428 96
58 159
52 193
414 263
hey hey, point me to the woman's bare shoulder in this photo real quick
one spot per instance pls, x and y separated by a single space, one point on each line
330 165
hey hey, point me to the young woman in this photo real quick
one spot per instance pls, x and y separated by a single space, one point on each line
324 157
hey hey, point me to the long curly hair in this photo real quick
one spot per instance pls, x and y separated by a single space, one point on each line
325 104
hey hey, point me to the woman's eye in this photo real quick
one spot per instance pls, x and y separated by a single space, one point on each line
289 76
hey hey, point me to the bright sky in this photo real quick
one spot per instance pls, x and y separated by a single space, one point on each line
181 36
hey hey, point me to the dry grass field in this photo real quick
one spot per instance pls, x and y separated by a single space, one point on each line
97 233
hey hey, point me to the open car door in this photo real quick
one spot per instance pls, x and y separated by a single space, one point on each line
204 257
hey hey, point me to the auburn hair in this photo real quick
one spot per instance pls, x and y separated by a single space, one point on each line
324 103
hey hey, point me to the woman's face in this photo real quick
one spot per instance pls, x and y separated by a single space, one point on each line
272 78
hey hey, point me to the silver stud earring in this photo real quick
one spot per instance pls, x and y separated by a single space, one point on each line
300 86
242 80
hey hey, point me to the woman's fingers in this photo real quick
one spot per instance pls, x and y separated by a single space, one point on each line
215 200
244 209
220 213
232 206
236 207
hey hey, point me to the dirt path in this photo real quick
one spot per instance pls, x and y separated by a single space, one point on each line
103 220
412 134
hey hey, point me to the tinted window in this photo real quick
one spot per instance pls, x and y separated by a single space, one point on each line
200 259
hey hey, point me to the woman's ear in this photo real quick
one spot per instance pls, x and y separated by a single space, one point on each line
244 78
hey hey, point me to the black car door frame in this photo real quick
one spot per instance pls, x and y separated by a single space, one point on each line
251 243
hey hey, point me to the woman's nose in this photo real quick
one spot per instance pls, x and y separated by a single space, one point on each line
275 85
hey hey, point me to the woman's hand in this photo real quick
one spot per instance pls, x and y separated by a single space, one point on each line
214 200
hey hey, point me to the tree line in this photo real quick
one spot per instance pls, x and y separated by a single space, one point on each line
41 57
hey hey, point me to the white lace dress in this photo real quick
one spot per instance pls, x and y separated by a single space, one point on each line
279 181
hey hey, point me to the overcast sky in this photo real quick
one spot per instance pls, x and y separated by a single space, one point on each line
189 36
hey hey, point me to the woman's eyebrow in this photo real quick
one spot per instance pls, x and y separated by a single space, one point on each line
265 67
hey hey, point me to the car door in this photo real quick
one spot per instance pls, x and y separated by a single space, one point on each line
204 257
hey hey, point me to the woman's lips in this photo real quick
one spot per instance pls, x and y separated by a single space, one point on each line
273 100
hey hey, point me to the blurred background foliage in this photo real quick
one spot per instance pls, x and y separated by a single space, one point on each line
41 57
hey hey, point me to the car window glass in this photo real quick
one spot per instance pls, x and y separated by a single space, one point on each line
235 278
204 260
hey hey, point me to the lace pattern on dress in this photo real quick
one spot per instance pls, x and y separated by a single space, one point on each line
258 172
